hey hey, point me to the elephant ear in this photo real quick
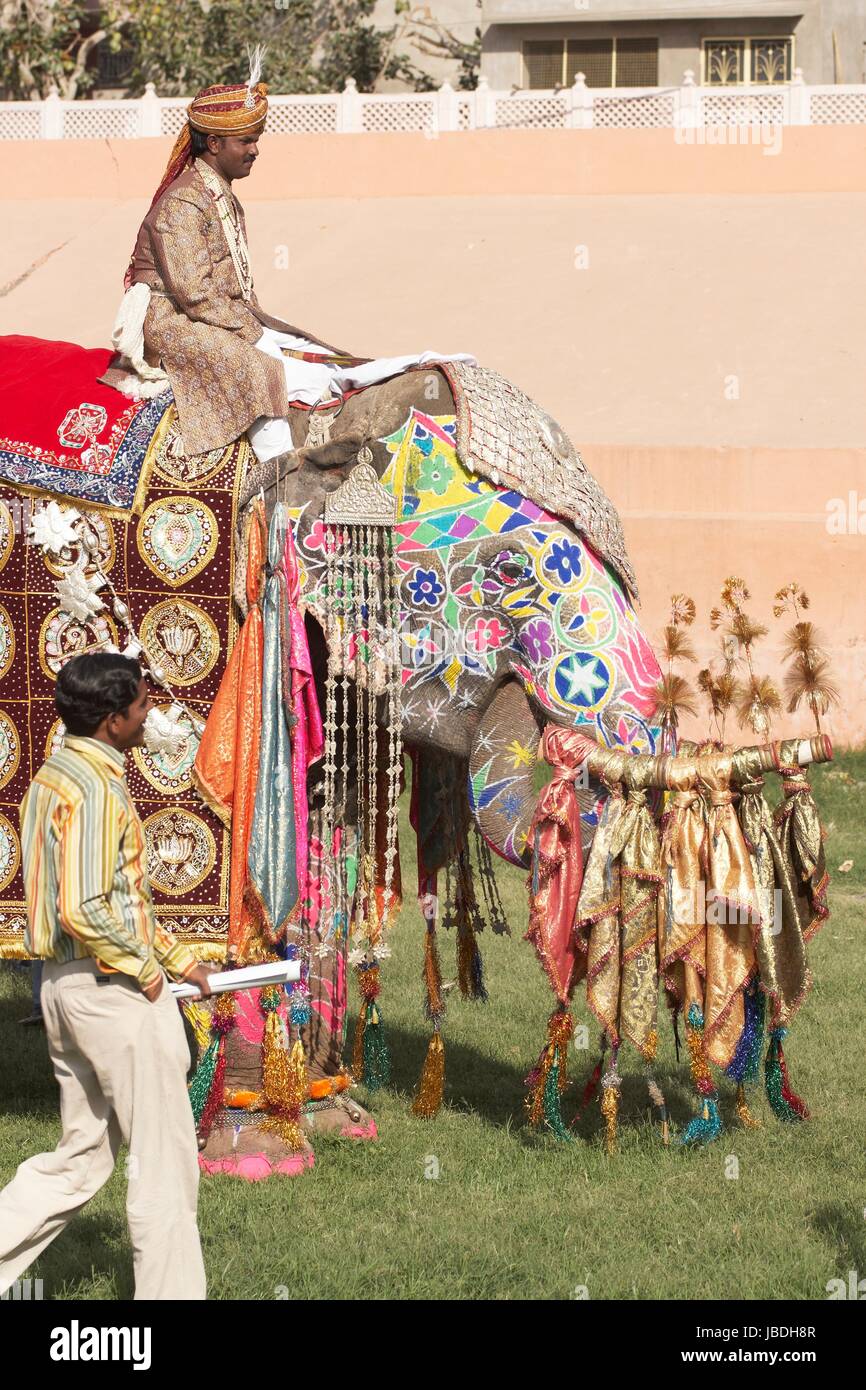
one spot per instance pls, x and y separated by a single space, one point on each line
502 772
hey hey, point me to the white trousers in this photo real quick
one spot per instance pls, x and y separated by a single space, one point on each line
121 1065
310 382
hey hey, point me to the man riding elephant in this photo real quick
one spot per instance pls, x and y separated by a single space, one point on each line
191 318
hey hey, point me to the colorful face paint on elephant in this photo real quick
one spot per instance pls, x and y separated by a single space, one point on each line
496 591
492 586
510 587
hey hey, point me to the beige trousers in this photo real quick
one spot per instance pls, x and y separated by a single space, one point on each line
121 1064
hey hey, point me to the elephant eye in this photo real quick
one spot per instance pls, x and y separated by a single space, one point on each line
513 567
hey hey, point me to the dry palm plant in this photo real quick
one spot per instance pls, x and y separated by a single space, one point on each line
808 675
756 698
673 693
720 688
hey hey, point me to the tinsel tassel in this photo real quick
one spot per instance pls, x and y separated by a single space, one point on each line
206 1090
590 1090
431 1084
358 1046
753 1064
707 1125
284 1078
377 1063
746 1118
199 1019
785 1104
433 1005
370 1061
216 1096
610 1110
300 1011
549 1078
551 1105
470 970
203 1078
747 1054
479 989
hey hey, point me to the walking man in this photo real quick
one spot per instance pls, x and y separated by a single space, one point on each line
115 1036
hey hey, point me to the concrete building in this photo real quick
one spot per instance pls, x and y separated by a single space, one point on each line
615 43
647 43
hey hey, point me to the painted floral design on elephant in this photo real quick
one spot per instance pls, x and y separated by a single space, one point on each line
549 607
492 585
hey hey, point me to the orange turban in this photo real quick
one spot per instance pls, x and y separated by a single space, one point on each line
229 110
234 110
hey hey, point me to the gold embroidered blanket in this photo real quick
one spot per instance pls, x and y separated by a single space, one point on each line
173 566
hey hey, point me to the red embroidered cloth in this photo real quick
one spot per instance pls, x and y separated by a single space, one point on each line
60 429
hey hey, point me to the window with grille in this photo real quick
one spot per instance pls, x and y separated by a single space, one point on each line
592 57
764 61
604 62
725 61
543 59
771 60
637 62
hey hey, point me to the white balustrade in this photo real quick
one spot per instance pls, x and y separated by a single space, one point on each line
351 112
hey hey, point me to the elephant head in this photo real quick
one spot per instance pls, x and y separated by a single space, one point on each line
508 617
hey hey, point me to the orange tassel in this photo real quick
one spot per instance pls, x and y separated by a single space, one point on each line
431 1085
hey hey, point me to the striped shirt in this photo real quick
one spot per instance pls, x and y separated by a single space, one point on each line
85 856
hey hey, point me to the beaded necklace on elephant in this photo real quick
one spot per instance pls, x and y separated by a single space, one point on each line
361 624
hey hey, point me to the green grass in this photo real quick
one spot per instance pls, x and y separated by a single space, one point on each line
513 1214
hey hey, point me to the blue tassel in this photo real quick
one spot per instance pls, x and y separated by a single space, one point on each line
745 1054
704 1128
299 1014
753 1065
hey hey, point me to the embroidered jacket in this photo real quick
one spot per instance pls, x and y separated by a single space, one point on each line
198 324
84 853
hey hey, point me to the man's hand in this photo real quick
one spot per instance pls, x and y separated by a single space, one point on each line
152 992
200 977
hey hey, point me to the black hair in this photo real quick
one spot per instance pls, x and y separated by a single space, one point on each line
198 139
93 685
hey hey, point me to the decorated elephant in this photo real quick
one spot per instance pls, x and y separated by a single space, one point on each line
513 605
508 617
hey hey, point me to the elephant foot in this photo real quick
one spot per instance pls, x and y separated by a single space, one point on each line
339 1115
246 1151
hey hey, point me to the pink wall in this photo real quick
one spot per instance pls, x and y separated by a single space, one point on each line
467 242
693 517
826 159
